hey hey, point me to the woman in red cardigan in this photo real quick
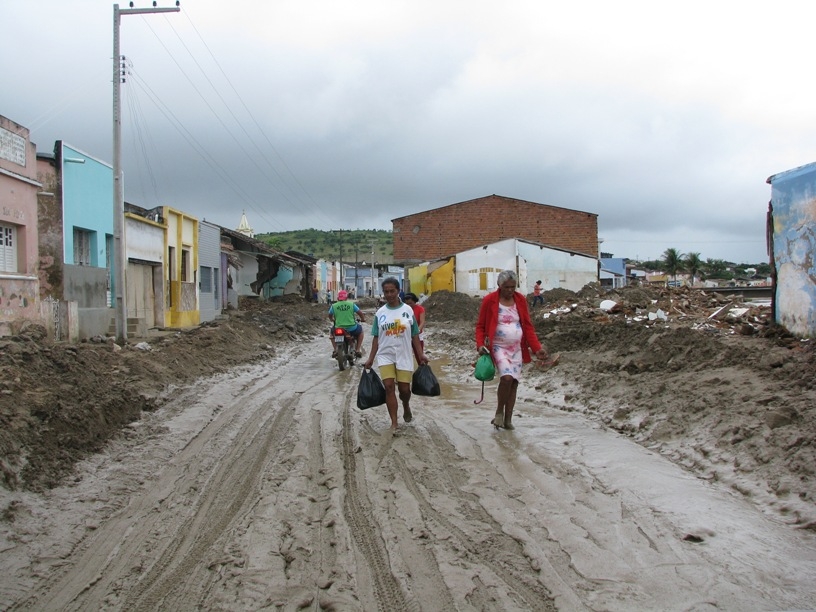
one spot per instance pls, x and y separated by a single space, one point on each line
505 330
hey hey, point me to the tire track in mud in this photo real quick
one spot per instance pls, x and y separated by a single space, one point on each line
105 570
364 528
324 529
227 495
499 551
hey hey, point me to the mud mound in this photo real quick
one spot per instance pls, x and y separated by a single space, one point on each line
554 296
60 402
452 306
638 348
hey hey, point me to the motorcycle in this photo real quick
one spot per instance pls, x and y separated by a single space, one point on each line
344 344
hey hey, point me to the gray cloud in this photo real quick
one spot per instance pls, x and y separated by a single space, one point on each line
662 120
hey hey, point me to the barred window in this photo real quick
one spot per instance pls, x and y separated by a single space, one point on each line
82 247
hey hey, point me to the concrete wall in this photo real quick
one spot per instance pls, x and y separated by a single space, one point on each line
793 200
441 276
19 282
458 227
555 268
87 287
51 245
209 263
246 274
477 270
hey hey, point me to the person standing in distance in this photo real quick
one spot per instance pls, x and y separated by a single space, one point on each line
537 297
505 331
419 313
395 342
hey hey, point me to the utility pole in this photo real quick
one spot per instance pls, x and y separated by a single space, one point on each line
341 258
357 240
118 187
373 282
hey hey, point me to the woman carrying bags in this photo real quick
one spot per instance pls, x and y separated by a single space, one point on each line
505 331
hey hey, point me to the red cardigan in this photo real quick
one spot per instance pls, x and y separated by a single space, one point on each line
489 320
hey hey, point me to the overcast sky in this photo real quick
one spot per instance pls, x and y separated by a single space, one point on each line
663 118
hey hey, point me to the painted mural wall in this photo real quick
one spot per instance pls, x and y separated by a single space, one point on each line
793 201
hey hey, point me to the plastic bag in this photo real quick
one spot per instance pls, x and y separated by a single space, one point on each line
485 370
370 391
424 381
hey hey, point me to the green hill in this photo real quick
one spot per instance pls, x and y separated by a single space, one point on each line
349 245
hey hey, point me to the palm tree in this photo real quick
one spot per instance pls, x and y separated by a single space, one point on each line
693 265
673 262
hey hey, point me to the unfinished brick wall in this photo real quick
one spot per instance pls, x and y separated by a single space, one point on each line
451 229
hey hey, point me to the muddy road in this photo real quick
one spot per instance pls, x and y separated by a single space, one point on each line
266 488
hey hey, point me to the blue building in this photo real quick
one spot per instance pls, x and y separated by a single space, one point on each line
76 239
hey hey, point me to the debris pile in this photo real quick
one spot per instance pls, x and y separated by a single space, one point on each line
696 308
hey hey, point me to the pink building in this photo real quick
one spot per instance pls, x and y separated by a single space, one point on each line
19 284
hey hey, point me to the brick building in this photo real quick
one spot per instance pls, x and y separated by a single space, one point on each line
457 227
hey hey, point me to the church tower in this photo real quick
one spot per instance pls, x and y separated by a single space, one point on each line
244 227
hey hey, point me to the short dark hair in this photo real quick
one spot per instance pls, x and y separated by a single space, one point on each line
391 281
538 282
410 296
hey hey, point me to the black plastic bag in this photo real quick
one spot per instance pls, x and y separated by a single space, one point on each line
424 381
370 391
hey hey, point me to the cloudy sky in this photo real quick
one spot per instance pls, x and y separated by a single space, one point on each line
663 118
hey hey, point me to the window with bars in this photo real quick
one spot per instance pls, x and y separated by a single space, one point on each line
82 247
8 248
185 265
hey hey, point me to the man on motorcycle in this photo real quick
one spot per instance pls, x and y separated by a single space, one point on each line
343 313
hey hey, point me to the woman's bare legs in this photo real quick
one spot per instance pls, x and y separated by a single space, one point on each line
506 402
511 403
391 400
405 397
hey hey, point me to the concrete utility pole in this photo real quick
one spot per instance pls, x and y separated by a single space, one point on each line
373 280
118 187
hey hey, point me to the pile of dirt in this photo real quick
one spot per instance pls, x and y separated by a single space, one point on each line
450 306
60 402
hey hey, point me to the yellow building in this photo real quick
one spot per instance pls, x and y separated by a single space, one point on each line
181 247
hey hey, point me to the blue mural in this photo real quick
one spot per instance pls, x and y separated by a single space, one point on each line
793 198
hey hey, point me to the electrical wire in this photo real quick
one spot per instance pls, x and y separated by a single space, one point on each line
201 150
254 121
252 158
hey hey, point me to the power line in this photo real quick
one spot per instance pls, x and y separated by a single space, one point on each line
199 148
255 122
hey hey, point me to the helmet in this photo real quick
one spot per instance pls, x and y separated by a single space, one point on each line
342 295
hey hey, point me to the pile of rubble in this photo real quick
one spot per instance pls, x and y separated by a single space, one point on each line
683 306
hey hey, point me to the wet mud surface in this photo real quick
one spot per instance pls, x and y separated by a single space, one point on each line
662 464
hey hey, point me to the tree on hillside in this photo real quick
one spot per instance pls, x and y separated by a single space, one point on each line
693 265
672 262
